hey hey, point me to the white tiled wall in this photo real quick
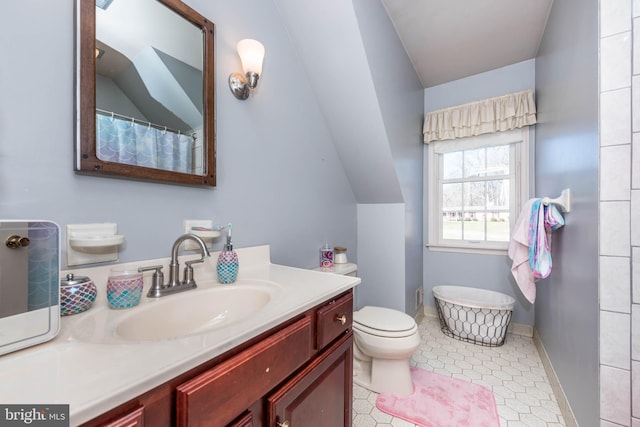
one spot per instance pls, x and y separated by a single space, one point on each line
619 213
615 127
615 182
615 279
614 228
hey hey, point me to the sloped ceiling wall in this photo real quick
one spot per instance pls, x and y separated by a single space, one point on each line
328 40
373 103
158 85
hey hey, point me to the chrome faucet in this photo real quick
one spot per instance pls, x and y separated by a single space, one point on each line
158 289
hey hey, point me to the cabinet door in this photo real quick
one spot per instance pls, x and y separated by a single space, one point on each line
219 395
320 395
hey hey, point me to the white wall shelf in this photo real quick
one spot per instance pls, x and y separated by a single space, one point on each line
92 243
207 233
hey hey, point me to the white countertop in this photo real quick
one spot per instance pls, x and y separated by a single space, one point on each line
88 367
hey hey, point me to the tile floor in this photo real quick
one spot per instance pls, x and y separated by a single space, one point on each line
514 373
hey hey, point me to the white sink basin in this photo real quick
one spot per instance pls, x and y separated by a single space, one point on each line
192 312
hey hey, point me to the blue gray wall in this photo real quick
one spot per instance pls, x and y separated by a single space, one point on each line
567 157
381 256
400 96
372 100
280 180
491 272
331 46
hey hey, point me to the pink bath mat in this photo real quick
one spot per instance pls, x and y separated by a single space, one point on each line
441 401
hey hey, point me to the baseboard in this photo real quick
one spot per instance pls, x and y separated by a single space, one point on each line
520 329
514 328
565 408
430 311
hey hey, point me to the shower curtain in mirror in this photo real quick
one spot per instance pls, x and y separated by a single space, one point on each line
123 141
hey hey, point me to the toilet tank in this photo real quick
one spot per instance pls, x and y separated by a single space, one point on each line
347 269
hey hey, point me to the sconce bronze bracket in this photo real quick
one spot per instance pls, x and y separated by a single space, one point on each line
241 85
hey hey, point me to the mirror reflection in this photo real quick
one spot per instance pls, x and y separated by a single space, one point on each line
29 269
148 87
150 65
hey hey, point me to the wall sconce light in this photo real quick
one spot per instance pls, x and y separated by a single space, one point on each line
251 54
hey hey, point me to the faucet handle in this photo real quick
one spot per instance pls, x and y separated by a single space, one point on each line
194 261
157 280
188 271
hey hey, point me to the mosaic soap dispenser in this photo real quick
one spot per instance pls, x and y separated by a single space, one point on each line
227 261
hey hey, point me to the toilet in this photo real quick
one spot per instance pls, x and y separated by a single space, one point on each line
384 341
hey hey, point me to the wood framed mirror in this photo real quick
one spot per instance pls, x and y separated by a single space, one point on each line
145 91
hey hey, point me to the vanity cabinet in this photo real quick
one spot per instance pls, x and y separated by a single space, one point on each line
298 374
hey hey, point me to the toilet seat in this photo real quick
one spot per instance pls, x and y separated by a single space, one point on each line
384 322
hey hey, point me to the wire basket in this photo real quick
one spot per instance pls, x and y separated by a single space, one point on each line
482 326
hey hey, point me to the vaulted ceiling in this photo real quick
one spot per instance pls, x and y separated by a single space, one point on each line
445 40
450 39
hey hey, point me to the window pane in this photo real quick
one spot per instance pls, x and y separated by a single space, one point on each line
451 228
474 225
452 165
452 211
498 210
498 160
498 227
474 163
474 206
474 196
498 194
451 197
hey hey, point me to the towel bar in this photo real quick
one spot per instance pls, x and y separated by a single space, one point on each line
564 201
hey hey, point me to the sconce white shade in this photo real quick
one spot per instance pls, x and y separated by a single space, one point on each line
251 54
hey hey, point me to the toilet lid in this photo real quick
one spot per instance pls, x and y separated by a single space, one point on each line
383 321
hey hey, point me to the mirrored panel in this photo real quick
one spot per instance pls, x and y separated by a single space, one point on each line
145 91
29 283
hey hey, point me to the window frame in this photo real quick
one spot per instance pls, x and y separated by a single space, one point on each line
519 188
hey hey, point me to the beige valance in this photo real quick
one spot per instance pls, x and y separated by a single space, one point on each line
501 113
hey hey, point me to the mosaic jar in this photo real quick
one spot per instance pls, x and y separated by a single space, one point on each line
77 294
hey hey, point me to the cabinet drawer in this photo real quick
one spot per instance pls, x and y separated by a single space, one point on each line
334 319
134 418
219 395
246 420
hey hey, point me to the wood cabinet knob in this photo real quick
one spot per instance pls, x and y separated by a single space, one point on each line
342 319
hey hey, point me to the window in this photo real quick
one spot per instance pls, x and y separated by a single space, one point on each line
475 189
